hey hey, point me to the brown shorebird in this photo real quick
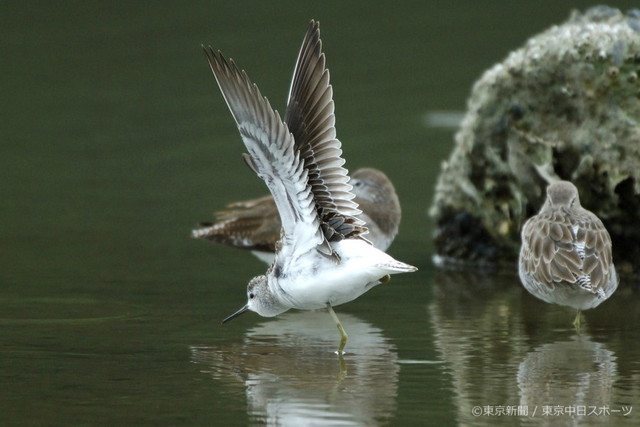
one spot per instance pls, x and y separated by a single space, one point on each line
565 256
255 224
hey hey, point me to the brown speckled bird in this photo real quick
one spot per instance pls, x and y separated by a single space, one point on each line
565 256
255 224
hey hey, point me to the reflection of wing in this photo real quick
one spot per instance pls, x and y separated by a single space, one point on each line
288 370
250 224
576 252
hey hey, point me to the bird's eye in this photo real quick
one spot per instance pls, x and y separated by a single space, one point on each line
357 184
251 295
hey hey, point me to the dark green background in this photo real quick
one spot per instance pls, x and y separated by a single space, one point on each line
115 141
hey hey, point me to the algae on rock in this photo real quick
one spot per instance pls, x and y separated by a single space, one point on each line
564 106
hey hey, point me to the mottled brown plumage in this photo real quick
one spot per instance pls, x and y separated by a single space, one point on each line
380 206
565 256
250 224
255 224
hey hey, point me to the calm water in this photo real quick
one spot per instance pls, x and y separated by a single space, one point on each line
115 142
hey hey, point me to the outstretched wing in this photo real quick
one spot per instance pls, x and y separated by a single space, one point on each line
303 169
311 119
272 154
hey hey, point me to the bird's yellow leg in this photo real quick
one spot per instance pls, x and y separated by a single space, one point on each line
576 322
343 333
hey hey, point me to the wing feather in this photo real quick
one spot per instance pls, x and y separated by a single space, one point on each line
574 252
311 119
250 224
272 151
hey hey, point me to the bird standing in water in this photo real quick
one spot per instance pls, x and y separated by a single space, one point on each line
322 258
565 257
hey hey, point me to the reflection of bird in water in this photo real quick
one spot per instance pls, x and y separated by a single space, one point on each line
484 327
565 256
290 378
255 224
322 258
476 318
575 373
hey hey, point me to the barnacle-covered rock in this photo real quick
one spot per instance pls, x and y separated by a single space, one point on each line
564 106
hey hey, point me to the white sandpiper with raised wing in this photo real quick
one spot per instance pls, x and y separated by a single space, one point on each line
323 258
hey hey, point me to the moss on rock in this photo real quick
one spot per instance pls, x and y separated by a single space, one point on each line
566 105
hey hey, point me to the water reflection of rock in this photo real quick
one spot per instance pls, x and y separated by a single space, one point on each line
291 375
504 348
477 321
577 373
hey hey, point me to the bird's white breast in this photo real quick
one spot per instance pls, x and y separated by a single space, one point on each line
315 280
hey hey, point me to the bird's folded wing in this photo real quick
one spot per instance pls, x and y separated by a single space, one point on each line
250 224
561 254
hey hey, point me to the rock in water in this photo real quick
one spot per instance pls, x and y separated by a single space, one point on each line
566 106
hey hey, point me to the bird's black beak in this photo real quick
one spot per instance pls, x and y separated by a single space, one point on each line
236 314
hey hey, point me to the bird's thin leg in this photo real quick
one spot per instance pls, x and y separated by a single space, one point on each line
343 333
576 322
